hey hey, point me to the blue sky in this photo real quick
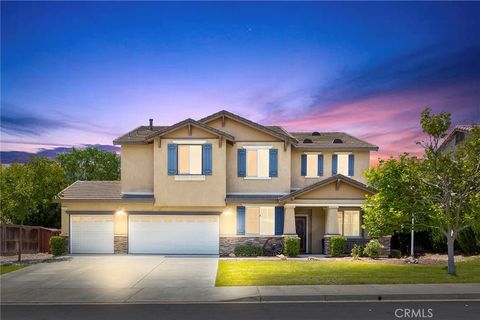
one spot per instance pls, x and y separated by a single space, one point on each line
83 73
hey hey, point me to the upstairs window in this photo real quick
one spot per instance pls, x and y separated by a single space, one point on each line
312 165
189 159
343 163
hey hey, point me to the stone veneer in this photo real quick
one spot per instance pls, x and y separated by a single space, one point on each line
120 244
228 244
385 252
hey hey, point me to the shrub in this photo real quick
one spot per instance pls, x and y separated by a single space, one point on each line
337 245
58 245
357 251
372 249
247 250
292 246
394 253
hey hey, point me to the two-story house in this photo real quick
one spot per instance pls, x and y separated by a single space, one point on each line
203 187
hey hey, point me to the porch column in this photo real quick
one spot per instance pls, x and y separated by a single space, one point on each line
289 222
331 223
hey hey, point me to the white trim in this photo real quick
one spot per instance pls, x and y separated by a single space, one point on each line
312 152
257 147
189 177
325 205
193 141
257 193
257 178
312 177
343 152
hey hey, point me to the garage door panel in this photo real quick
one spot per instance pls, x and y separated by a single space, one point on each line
92 234
174 234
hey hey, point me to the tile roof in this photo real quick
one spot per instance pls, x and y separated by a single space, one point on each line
95 190
324 140
138 135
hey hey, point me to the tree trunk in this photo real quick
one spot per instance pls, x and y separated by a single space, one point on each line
451 255
20 243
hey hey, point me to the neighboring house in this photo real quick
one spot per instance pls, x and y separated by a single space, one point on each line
456 137
204 187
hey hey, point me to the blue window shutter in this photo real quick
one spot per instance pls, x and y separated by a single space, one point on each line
303 169
320 165
273 163
172 159
279 220
351 165
207 159
241 220
334 164
242 162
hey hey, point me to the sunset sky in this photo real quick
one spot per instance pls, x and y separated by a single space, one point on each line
84 73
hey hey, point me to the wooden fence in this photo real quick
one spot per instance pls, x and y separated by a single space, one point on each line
34 240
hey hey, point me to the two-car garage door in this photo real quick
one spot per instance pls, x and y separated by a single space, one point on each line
173 234
148 234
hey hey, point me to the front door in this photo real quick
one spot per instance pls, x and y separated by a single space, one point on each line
301 229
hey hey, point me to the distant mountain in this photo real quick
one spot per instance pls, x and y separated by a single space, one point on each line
7 157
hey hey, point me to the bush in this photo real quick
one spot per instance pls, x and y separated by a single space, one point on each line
58 245
394 253
337 245
372 249
247 250
292 246
357 251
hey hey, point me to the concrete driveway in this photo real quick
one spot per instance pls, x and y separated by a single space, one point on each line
112 278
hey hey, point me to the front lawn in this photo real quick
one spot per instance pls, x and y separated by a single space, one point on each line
270 273
11 267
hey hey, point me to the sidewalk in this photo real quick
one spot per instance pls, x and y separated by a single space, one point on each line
229 294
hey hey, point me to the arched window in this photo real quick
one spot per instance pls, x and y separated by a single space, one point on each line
338 141
307 141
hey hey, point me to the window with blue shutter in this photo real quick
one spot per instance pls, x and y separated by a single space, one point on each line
303 165
207 159
320 165
172 159
273 163
240 220
242 162
334 164
351 165
279 220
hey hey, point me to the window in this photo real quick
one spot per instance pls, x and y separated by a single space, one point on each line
343 164
258 163
312 165
260 220
349 223
459 137
189 159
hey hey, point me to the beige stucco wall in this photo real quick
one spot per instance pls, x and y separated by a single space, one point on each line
170 192
137 168
280 184
362 163
240 131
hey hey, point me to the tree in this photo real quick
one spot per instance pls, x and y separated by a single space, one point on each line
90 164
17 201
441 191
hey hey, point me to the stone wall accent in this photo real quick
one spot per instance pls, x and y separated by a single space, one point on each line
120 244
361 242
228 244
386 241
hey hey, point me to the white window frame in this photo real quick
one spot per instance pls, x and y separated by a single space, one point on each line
341 229
257 177
312 154
344 157
261 208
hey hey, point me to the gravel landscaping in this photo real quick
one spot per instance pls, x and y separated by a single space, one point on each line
30 258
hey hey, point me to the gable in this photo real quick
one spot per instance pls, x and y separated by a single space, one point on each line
333 190
241 131
183 132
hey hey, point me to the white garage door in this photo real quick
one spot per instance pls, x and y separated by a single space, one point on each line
91 234
178 234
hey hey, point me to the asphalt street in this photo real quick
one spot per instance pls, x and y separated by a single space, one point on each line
230 311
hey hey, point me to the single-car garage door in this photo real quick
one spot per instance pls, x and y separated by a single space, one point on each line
91 233
173 234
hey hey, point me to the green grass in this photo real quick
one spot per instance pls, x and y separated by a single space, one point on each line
11 267
269 273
